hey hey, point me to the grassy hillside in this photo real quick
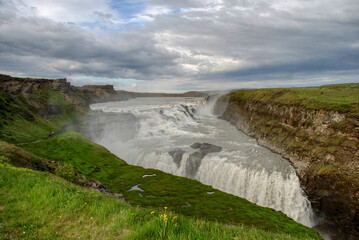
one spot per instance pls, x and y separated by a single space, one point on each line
182 195
318 129
343 98
302 134
27 119
38 205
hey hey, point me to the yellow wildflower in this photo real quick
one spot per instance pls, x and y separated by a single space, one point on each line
165 208
85 203
165 219
152 212
175 217
23 232
60 216
91 218
164 215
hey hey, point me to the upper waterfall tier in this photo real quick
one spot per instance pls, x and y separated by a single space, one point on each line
182 136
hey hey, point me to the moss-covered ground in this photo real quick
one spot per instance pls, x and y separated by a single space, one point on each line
39 205
286 119
21 121
296 137
342 98
181 195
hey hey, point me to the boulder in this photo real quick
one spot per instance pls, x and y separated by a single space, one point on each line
195 159
177 155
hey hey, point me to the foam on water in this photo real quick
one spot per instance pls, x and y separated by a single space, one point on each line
242 168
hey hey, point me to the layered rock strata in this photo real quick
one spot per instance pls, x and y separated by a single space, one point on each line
323 146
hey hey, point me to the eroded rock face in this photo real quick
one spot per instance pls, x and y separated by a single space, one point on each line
177 155
321 144
206 147
28 85
61 85
99 187
195 159
26 89
103 93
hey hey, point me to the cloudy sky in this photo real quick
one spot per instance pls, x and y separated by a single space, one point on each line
181 45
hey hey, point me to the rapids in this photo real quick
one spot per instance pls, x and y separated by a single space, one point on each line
158 133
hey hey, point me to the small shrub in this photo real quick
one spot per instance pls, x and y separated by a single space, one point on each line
67 172
5 158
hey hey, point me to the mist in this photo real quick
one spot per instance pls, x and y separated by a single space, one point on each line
185 137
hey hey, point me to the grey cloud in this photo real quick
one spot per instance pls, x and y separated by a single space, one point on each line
262 40
178 4
69 50
105 18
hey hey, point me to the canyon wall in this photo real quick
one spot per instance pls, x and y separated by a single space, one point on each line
321 141
32 90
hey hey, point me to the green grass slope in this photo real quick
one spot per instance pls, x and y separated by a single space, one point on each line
318 129
27 119
182 195
342 98
301 135
38 205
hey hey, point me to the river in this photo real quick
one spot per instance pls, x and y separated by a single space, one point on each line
158 133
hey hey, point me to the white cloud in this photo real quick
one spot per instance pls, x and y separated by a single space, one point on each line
78 11
182 44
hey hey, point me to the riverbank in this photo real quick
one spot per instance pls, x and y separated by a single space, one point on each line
317 129
34 108
39 205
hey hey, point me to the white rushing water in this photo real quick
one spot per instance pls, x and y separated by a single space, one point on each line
158 133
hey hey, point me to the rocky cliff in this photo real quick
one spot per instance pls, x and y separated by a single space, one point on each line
15 85
31 108
317 129
144 94
104 93
78 96
35 95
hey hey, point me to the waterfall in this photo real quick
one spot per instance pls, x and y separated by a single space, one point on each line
165 130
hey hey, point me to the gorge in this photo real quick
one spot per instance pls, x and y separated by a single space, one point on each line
198 139
310 138
183 137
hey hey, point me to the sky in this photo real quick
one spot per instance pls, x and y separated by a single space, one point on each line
182 45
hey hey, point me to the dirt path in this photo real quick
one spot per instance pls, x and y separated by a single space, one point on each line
63 129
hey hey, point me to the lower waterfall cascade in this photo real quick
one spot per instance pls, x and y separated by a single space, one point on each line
183 137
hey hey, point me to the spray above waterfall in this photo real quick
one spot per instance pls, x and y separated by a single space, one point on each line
183 137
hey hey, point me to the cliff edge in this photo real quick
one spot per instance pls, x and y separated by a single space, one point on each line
317 129
31 108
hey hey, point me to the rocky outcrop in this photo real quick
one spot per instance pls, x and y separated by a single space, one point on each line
99 187
323 146
195 159
15 86
140 94
177 155
36 93
103 93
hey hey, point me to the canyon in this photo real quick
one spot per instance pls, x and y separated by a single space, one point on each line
319 139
